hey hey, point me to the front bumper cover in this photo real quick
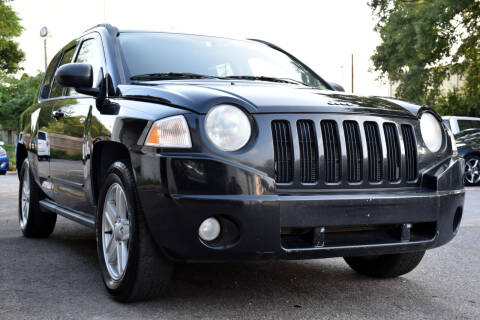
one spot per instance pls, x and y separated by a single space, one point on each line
178 197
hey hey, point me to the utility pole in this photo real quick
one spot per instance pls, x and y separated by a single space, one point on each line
44 34
352 72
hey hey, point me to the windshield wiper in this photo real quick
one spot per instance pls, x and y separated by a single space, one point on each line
264 78
170 76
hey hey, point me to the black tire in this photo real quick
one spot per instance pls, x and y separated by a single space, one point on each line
37 224
147 271
385 266
3 172
471 158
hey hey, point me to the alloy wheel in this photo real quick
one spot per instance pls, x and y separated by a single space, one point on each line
472 171
115 231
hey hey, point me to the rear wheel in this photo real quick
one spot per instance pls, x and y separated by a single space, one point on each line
33 222
385 266
2 173
472 170
133 269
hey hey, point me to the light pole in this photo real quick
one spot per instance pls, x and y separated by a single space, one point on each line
44 34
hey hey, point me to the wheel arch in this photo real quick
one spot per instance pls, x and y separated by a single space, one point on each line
104 154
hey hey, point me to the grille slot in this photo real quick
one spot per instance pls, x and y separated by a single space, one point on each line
354 151
410 152
308 151
331 149
283 155
393 151
374 147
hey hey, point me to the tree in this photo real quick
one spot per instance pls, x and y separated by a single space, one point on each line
423 44
10 53
15 96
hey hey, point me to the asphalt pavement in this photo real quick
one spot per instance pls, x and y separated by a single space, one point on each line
58 278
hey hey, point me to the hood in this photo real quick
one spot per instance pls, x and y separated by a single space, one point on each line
261 97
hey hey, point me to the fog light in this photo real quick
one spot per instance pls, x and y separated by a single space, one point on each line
209 229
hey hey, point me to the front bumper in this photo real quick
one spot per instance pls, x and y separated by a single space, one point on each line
4 163
262 224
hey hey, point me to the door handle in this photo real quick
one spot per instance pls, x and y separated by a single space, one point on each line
58 114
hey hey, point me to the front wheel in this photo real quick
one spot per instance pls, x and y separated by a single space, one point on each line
133 269
472 170
385 266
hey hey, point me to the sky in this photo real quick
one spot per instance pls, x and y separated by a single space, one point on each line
322 33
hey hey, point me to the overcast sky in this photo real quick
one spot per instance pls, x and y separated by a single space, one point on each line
321 33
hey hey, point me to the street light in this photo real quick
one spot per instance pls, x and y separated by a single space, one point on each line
44 34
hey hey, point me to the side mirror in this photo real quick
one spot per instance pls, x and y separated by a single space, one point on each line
44 91
78 76
336 87
1 143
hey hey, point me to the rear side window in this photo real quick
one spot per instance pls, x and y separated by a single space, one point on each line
57 90
468 124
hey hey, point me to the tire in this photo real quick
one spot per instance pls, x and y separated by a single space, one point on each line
145 272
472 170
2 173
385 266
33 222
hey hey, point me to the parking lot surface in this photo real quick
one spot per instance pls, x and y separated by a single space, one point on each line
58 278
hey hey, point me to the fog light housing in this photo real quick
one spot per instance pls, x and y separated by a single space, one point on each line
209 230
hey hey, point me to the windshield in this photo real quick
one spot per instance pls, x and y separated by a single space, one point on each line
163 53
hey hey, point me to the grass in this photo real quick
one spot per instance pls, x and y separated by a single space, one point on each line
11 155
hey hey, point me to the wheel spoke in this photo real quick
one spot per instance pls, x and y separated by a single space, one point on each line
120 203
121 256
124 254
475 164
109 217
111 250
112 210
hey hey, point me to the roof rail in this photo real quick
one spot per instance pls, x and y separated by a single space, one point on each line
111 29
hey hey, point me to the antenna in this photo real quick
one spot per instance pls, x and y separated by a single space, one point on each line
105 11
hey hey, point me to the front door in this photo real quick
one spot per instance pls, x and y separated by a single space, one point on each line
68 135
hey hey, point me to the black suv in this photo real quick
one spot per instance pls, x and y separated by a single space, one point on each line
179 147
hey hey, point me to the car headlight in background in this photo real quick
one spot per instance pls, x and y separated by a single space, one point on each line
228 127
431 131
171 132
3 153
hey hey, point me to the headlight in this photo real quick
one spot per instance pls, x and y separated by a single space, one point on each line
228 127
170 132
3 153
431 131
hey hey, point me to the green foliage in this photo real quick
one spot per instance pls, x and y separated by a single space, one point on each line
425 42
10 53
15 96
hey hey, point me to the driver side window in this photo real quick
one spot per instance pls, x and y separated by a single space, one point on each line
90 53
